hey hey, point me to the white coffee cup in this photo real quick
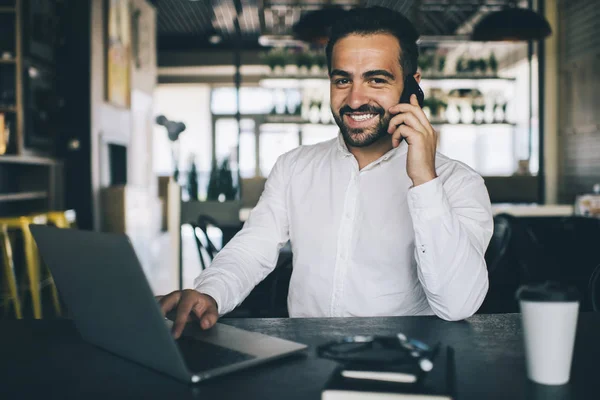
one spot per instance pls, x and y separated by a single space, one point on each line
549 314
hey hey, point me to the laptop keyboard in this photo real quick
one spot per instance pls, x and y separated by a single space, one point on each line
201 356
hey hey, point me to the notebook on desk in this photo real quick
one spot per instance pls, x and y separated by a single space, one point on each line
350 383
104 287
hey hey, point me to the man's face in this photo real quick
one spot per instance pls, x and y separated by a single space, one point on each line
366 80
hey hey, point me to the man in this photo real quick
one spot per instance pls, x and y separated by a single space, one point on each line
380 224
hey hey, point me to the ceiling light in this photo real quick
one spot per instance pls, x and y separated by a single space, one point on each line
314 27
511 24
214 39
279 41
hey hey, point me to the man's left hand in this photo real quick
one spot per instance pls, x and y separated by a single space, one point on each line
412 124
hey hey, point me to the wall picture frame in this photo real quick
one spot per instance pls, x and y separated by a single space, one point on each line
118 52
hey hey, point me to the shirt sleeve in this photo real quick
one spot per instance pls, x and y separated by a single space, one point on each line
253 252
453 224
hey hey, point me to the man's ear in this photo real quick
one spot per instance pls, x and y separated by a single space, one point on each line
417 77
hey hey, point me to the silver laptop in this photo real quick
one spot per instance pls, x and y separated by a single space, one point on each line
106 292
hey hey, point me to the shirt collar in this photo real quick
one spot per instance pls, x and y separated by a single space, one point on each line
341 145
344 152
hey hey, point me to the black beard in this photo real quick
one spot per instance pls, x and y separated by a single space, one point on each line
362 137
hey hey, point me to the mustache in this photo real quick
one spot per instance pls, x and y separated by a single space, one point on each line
365 108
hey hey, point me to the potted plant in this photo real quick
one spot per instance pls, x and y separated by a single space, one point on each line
303 62
441 64
220 186
320 60
482 66
461 66
276 60
192 184
472 66
425 62
493 64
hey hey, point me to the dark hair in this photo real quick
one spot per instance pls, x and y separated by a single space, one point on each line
373 20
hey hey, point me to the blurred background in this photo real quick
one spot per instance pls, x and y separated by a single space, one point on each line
162 120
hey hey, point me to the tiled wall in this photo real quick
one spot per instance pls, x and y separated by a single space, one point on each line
579 98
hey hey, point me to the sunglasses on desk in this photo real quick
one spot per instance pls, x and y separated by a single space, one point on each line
398 349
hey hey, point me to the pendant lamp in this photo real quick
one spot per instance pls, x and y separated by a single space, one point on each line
511 24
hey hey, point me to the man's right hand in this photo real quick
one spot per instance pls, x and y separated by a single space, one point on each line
189 305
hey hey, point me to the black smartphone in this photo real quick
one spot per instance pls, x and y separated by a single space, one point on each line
411 87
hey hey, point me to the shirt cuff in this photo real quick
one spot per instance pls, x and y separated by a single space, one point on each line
428 200
213 290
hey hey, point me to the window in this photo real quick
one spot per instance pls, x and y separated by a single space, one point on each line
188 104
275 140
226 140
253 100
258 105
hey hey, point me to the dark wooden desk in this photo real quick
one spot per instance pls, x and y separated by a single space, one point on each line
46 359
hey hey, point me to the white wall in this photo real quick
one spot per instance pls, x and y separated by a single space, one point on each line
131 127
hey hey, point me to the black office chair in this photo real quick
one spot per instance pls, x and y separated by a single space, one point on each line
206 248
594 289
280 286
503 268
269 298
513 258
498 247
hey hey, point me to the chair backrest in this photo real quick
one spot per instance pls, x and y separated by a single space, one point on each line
594 289
204 222
207 250
269 298
499 242
503 267
526 250
200 239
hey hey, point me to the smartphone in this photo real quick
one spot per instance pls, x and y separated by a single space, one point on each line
411 87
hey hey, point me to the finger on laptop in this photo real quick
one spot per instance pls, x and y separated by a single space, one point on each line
205 314
185 307
169 302
206 311
209 319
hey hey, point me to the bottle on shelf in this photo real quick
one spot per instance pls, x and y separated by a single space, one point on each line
488 112
314 116
453 113
325 113
466 113
588 205
4 134
499 113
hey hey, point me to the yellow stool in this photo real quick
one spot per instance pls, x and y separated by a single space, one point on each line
64 220
9 273
61 219
32 261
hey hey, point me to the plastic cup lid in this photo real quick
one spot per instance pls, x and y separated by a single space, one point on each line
548 291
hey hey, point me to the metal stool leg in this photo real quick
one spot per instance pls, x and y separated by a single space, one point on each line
61 219
54 293
33 268
9 273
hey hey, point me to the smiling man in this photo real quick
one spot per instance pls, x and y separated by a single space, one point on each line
380 224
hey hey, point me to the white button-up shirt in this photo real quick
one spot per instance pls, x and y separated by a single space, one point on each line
365 242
